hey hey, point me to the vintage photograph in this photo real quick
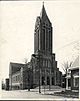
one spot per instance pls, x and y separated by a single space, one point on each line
39 50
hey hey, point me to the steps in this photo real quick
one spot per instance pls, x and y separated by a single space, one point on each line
47 87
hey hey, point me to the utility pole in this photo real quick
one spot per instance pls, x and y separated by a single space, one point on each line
39 73
28 79
38 58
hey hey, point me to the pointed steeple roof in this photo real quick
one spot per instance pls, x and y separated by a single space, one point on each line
43 14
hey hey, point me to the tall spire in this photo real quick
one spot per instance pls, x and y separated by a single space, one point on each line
43 12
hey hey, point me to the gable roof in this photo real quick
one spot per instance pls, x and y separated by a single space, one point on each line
14 67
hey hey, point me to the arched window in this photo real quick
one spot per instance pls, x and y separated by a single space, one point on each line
49 63
43 37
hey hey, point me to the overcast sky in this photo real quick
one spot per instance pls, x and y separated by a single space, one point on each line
17 21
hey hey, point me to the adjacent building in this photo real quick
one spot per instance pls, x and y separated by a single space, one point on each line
15 72
7 84
20 76
72 78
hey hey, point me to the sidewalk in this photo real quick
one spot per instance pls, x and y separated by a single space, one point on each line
46 91
67 94
34 94
29 95
57 92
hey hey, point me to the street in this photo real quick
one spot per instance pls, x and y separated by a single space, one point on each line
24 94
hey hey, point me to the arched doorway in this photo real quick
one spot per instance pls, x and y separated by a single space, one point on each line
43 79
52 80
48 80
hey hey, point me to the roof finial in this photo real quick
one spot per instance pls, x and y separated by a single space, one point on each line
43 2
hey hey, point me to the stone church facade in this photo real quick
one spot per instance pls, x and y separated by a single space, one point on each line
42 66
45 64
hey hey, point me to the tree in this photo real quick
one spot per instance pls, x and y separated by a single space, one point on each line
66 65
25 60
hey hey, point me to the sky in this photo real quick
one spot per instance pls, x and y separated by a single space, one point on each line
17 23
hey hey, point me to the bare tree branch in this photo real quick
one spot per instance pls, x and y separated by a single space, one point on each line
66 65
26 60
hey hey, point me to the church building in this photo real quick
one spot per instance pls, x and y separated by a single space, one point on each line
42 66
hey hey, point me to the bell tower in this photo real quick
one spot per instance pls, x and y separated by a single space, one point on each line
45 66
43 33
